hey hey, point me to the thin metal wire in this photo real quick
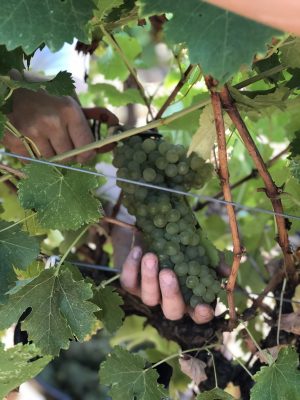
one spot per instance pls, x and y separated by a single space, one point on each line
150 186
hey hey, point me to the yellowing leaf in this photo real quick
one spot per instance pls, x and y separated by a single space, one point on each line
193 368
205 136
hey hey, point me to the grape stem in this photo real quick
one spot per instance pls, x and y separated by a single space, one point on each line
190 69
224 179
272 191
115 221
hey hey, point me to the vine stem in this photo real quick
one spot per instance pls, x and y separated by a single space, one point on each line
12 171
190 69
214 367
78 237
224 179
131 132
115 45
240 362
108 281
115 221
28 143
280 310
271 190
175 355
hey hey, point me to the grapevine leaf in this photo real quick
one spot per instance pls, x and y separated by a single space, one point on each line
280 380
57 300
294 166
128 378
109 302
61 85
17 249
29 24
205 136
215 394
295 145
290 52
10 59
17 366
105 93
3 120
104 7
62 199
217 39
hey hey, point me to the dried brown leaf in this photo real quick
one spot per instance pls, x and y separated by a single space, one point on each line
193 368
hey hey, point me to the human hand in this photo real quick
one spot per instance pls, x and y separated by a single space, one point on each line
159 287
54 124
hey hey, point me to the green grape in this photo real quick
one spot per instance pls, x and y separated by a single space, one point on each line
195 239
149 145
119 161
161 163
140 193
152 157
194 300
207 280
171 170
181 269
122 172
148 227
216 287
183 226
163 147
133 165
183 168
191 252
196 162
142 211
185 237
172 156
173 215
192 281
209 296
194 268
139 156
152 209
172 248
177 258
165 208
134 140
172 228
201 251
135 175
159 179
160 221
149 174
199 290
204 270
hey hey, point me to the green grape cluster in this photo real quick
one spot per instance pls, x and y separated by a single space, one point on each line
167 221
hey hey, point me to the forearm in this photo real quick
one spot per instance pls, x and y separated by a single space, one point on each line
276 13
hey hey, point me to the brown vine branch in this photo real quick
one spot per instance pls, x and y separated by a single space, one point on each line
224 178
253 174
115 221
175 91
271 190
12 171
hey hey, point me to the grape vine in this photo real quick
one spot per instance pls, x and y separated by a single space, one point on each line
207 98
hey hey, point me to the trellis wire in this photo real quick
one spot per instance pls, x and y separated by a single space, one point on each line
150 186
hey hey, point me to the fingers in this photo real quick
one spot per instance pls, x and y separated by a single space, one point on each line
79 130
150 291
130 271
172 301
202 313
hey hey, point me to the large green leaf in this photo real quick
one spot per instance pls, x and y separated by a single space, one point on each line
62 199
217 39
110 313
17 366
290 52
125 373
280 380
10 59
30 23
215 394
60 309
17 249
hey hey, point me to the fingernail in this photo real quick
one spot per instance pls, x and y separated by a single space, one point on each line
150 262
168 280
136 253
